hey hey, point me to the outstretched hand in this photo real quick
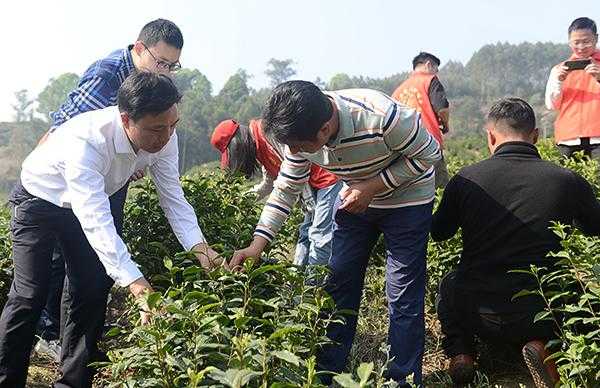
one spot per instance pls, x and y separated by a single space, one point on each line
240 256
254 250
139 288
208 258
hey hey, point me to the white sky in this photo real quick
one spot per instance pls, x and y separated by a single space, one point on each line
43 39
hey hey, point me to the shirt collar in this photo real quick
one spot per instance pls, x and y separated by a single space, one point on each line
517 148
120 140
346 125
128 60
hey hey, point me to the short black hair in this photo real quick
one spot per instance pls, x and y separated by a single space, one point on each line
145 93
295 111
242 153
583 24
423 57
161 30
516 113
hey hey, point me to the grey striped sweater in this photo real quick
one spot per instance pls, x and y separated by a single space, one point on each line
377 136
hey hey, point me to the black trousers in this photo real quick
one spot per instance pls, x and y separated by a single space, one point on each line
590 150
49 327
36 227
49 323
463 316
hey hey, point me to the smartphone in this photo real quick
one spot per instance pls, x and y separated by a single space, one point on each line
579 64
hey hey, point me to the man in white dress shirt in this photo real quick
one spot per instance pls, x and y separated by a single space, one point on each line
63 197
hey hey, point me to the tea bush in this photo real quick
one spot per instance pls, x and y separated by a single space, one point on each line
572 295
5 254
226 210
578 163
257 328
260 327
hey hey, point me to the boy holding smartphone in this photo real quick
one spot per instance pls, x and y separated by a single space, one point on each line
571 91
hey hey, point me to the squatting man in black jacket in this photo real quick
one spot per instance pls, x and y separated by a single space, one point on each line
504 206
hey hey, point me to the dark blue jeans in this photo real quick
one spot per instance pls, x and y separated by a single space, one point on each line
50 320
405 231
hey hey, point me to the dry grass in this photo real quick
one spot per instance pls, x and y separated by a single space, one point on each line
42 372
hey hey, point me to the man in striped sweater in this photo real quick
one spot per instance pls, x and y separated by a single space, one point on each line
385 158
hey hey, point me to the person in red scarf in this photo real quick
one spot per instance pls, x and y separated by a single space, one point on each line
573 90
245 149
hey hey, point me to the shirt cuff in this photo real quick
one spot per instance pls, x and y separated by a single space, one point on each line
264 233
192 238
128 273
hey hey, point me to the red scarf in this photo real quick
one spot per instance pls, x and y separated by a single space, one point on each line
271 160
265 153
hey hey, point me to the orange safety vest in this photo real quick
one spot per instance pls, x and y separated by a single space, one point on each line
414 92
579 107
271 161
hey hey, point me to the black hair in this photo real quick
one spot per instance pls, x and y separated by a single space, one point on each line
516 113
145 93
161 30
583 24
242 153
423 57
296 111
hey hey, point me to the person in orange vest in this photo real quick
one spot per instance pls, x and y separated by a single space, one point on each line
245 149
424 92
573 89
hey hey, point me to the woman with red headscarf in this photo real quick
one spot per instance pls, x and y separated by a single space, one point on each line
245 149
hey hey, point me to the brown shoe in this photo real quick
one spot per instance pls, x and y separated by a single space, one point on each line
462 369
544 374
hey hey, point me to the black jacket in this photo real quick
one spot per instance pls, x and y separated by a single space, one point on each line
505 205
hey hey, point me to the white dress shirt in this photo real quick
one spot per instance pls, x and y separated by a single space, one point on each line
89 158
553 101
